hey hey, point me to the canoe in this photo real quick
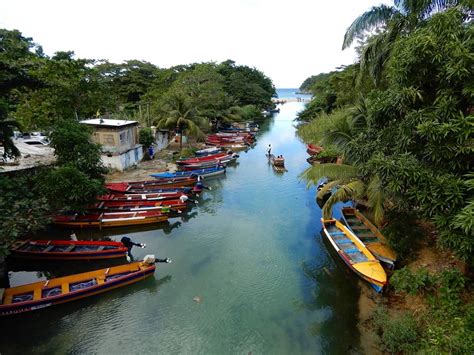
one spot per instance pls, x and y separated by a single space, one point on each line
124 188
354 253
207 151
59 290
165 206
276 161
152 184
313 149
142 197
215 158
370 236
106 219
203 173
67 250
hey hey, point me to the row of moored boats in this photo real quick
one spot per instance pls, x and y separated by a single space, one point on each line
168 195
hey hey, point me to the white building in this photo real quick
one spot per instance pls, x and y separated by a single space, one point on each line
119 141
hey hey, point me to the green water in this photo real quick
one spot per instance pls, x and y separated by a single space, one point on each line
252 251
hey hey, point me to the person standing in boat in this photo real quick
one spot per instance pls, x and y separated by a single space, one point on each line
269 150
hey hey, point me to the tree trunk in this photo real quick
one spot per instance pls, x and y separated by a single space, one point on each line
181 140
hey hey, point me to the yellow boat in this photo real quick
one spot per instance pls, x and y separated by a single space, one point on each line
370 236
43 294
354 253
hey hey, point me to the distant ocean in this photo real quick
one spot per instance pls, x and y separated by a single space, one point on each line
291 93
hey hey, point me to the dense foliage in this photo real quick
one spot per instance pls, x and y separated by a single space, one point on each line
402 120
415 135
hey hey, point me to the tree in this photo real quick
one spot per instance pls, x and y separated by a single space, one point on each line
391 22
72 145
179 113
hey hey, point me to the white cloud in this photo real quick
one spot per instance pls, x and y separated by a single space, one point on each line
287 40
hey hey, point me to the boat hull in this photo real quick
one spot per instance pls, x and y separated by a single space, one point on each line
370 236
367 267
102 284
51 250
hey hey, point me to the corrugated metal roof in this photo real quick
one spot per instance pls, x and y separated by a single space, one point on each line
104 122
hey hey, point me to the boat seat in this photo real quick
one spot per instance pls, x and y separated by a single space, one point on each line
337 233
344 241
351 251
69 248
48 248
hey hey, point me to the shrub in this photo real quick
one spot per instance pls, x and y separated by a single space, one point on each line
146 137
400 334
404 280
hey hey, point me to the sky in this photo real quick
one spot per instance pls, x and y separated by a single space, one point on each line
287 40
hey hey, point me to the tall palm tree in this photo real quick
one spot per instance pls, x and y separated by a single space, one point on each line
179 113
389 22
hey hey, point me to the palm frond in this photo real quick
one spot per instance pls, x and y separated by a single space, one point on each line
350 191
376 199
377 16
327 188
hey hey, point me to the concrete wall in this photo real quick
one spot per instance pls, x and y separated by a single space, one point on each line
161 140
116 139
124 160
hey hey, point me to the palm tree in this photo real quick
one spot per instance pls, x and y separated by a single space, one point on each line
179 113
390 22
231 114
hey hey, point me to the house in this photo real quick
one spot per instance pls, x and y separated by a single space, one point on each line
119 141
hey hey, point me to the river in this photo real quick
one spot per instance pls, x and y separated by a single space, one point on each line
251 251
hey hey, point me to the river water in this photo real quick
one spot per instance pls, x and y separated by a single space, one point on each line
251 251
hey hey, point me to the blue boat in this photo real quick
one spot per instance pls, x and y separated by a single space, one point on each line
203 173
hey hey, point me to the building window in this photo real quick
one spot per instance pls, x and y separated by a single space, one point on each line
122 138
109 139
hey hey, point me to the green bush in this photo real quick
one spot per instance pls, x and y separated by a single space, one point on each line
401 334
404 280
146 137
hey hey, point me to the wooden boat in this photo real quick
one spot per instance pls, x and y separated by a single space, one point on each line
354 253
202 173
232 146
313 149
370 236
106 219
181 181
166 206
216 158
142 197
59 290
124 188
208 151
276 161
67 250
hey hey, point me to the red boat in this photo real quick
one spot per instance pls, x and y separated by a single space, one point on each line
67 250
112 219
148 185
142 197
216 158
117 206
313 149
